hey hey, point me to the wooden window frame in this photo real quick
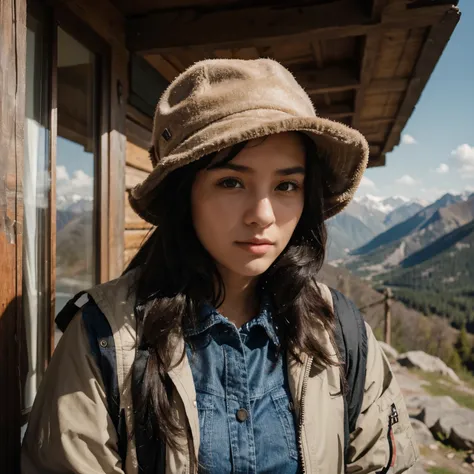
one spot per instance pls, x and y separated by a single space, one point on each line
44 15
54 18
84 34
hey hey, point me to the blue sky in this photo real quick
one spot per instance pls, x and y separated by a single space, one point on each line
438 153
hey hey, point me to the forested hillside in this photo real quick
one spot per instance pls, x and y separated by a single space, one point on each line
439 278
411 330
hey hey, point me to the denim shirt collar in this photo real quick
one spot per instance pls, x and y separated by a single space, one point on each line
209 316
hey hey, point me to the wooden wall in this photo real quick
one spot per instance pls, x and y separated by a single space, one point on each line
138 166
12 117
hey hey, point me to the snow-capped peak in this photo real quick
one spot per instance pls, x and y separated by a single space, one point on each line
386 204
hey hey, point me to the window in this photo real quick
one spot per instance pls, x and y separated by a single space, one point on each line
66 156
76 158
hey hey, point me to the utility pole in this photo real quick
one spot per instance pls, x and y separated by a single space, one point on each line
388 315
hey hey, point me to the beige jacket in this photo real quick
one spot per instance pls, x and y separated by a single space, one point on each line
70 430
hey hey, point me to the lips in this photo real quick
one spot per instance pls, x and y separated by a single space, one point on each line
256 246
257 242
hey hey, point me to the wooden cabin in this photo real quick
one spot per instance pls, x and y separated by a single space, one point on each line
79 80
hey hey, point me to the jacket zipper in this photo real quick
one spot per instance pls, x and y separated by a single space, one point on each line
307 370
392 420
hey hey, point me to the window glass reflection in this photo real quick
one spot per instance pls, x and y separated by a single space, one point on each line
76 267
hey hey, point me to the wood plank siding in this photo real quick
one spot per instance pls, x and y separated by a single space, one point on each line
12 118
138 166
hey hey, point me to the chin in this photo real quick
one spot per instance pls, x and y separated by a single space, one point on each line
253 268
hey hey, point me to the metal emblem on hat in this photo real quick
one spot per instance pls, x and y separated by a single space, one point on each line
166 134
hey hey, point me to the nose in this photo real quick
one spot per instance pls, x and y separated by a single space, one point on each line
260 213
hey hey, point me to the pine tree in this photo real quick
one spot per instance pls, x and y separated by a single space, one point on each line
463 346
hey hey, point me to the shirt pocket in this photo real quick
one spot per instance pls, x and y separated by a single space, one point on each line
206 410
281 401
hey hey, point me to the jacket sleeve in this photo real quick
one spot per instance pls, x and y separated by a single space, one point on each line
383 441
69 428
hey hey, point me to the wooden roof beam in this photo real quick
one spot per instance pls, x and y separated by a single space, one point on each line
378 86
335 111
376 121
167 31
367 66
329 79
376 160
229 28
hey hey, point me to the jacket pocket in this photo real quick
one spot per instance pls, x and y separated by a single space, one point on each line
281 401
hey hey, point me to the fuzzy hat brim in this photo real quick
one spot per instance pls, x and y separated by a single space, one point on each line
344 150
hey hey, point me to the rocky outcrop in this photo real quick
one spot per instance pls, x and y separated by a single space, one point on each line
433 408
462 435
444 418
423 361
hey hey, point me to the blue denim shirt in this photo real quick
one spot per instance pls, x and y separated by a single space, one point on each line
243 398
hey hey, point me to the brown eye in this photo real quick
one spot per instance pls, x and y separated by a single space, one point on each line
230 183
287 186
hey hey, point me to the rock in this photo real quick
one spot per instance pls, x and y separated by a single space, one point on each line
433 447
444 418
409 383
450 455
417 402
422 433
390 352
427 363
432 408
456 425
462 435
450 418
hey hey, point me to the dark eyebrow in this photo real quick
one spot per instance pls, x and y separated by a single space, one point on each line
246 169
288 171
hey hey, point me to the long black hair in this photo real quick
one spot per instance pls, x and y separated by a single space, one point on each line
176 274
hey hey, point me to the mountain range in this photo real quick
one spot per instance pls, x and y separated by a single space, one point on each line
390 248
363 219
75 245
427 260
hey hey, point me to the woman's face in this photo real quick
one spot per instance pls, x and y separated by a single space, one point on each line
245 211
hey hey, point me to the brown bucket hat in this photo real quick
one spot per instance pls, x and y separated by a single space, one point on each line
217 103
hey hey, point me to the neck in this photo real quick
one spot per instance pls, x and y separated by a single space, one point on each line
241 300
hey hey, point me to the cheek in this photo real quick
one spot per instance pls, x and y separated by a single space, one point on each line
211 218
288 216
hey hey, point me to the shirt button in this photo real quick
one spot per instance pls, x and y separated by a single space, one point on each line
242 414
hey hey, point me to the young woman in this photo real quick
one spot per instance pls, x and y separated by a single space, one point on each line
218 340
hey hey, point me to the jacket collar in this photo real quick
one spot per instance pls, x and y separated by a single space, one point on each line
209 316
